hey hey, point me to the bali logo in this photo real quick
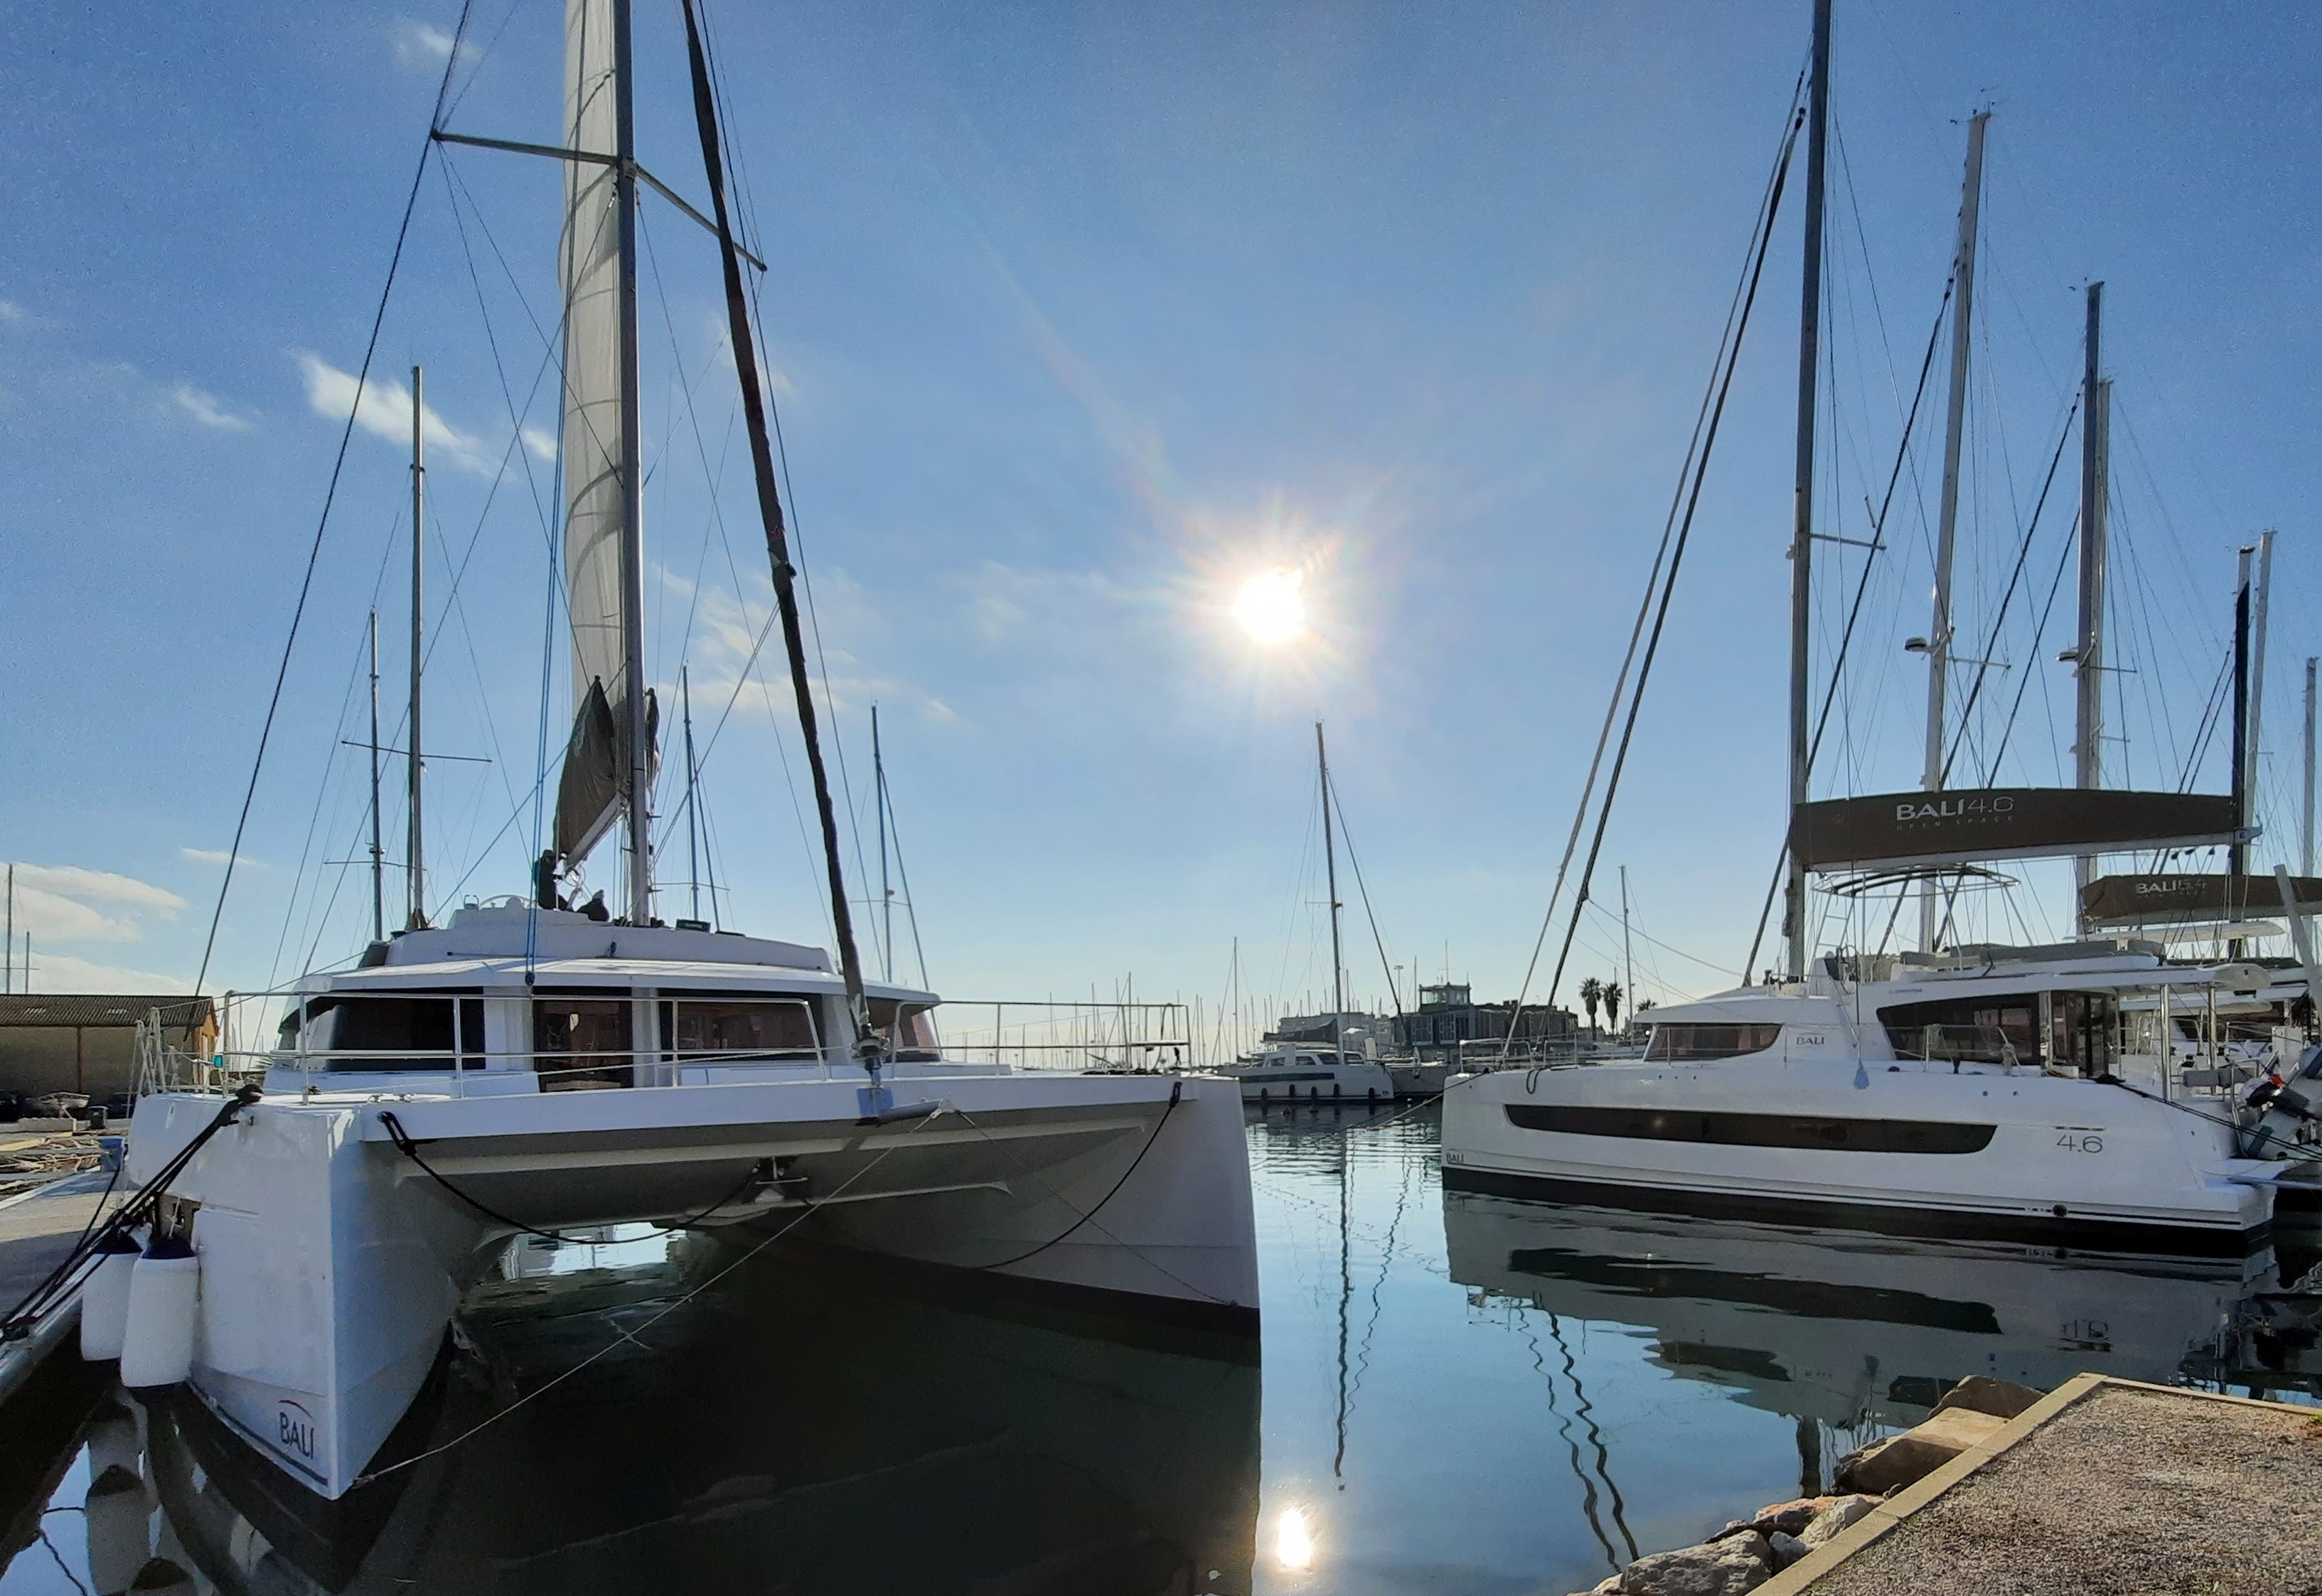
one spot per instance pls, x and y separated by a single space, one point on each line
294 1428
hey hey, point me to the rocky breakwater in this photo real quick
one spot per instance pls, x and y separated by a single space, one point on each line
1748 1552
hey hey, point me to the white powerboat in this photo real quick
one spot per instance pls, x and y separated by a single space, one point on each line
1298 1073
1974 1095
524 1068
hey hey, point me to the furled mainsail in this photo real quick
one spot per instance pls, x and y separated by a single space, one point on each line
590 265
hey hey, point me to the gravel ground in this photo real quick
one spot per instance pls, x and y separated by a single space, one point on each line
2125 1494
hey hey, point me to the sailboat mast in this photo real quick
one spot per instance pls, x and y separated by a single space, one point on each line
1330 865
377 852
692 795
1794 909
1939 635
1628 956
778 554
636 779
2236 855
2306 833
416 915
2096 407
2259 601
886 892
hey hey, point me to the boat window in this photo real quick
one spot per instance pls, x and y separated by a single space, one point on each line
916 1039
2003 1030
374 1032
1755 1130
731 1032
581 1043
1683 1043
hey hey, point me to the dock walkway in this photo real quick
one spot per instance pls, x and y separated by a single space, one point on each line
37 1229
2106 1487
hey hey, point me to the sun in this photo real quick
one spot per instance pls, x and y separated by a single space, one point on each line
1269 605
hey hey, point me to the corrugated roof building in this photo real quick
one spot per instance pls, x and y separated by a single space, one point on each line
84 1042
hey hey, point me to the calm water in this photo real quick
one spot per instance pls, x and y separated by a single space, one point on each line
1461 1395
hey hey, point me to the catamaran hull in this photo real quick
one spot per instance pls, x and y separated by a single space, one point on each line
333 1263
2023 1157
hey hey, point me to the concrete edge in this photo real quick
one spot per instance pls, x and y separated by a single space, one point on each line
1875 1525
18 1359
1887 1515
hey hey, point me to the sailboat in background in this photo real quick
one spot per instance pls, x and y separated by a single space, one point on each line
526 1068
1972 1092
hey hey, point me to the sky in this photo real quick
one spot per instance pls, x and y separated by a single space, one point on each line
1078 318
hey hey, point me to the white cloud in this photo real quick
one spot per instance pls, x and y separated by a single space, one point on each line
70 904
542 447
62 973
724 629
386 413
10 311
207 409
105 886
219 856
418 44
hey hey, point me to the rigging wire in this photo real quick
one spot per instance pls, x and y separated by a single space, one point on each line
330 496
1667 592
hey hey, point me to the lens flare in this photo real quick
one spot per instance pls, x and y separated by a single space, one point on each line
1270 607
1294 1546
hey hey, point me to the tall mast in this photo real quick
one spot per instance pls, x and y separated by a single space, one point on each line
886 892
1628 958
777 553
8 938
1939 635
1331 864
417 914
2258 604
1794 907
692 795
636 781
2306 833
2236 855
377 852
2088 654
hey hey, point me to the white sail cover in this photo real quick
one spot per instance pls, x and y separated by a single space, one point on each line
590 263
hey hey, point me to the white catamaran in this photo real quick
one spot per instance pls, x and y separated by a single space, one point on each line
528 1068
1970 1090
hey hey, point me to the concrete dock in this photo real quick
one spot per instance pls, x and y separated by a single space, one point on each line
2106 1487
37 1229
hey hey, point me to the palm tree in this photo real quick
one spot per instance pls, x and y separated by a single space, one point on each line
1612 995
1592 992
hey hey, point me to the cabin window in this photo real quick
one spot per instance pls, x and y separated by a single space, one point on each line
365 1033
581 1043
1693 1044
1966 1030
697 1030
906 1028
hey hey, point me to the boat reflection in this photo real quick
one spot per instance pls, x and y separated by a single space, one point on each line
814 1428
1847 1330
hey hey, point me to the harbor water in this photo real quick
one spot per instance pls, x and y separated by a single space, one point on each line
1456 1394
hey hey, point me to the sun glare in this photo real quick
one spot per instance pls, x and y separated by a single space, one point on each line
1294 1546
1269 606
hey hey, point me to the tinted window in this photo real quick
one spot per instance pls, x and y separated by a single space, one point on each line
1682 1043
916 1039
765 1030
1756 1130
386 1033
1966 1030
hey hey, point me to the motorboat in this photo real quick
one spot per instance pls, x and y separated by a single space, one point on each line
1289 1072
325 1197
1973 1094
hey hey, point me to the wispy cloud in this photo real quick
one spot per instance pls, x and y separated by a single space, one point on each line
208 409
386 413
724 630
70 904
417 44
542 447
63 972
219 856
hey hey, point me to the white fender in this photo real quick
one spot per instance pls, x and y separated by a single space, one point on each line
157 1349
104 1299
162 1577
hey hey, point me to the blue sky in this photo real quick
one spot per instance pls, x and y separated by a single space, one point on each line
1080 317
